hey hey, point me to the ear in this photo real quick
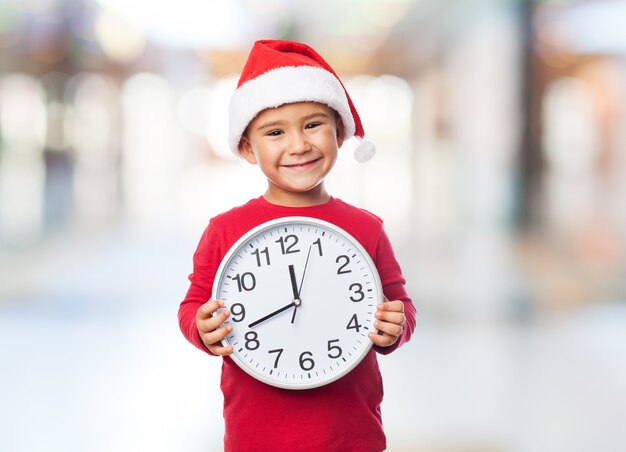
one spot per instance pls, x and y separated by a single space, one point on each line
340 132
245 148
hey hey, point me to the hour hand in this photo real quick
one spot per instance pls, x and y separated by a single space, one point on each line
294 284
293 303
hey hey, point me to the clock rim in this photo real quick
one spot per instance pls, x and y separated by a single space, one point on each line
270 224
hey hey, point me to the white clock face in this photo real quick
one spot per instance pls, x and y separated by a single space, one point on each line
302 295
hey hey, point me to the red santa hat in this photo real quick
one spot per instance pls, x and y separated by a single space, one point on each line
283 72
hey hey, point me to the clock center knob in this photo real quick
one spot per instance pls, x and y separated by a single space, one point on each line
297 302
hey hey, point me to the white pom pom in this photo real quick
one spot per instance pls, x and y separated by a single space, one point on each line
364 151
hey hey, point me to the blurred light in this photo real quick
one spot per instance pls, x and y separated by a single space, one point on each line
145 96
385 103
34 6
587 27
95 109
596 27
570 136
22 128
93 132
185 23
571 147
22 112
392 100
120 40
268 18
385 14
207 190
10 26
385 106
193 110
94 101
153 148
217 124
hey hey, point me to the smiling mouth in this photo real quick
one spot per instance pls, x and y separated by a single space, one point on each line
302 165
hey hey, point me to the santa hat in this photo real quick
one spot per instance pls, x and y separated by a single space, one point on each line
283 72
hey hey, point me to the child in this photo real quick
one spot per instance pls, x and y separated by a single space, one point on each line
289 115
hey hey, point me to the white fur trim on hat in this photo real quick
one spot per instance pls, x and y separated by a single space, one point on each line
284 85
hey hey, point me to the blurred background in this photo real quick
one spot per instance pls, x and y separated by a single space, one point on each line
500 128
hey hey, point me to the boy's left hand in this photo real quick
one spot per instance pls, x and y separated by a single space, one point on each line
390 323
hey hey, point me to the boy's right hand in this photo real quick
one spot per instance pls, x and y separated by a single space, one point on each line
209 327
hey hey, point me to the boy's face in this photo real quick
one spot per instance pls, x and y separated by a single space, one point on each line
295 145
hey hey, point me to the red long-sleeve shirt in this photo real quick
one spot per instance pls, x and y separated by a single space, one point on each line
341 416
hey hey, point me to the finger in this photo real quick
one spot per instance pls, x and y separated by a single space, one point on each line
392 317
393 306
220 350
389 328
207 309
214 337
382 340
212 323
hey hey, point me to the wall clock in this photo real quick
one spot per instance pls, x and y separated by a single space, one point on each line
302 294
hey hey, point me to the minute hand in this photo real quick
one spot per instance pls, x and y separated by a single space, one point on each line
297 291
306 264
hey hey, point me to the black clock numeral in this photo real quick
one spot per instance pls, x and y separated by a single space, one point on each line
238 312
252 340
286 246
354 324
306 363
279 352
258 253
358 290
342 268
337 349
246 281
318 242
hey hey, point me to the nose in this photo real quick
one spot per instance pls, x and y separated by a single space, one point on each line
299 143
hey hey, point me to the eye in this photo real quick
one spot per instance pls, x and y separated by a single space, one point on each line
312 125
274 133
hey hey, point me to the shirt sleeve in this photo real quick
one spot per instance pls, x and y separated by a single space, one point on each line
206 261
393 283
